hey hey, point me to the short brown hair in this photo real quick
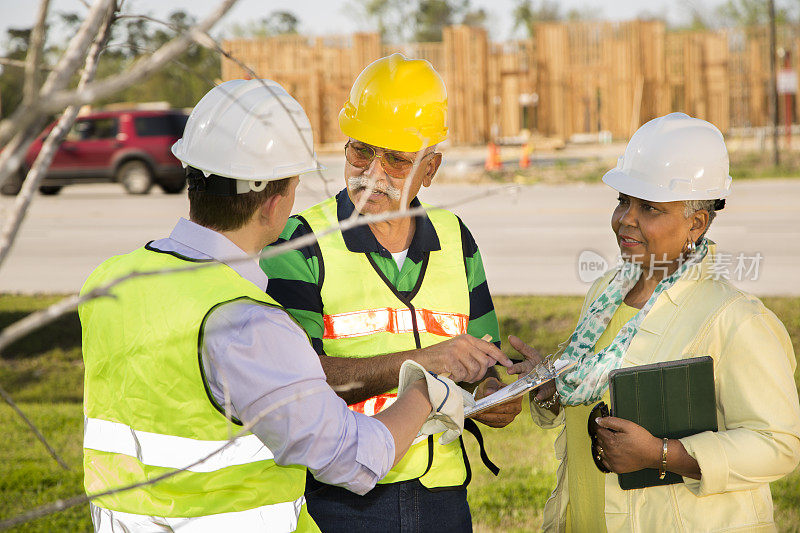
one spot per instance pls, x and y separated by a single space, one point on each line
228 213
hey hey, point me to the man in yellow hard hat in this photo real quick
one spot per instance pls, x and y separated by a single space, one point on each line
412 287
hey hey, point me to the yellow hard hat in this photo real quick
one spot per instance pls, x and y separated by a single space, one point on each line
396 103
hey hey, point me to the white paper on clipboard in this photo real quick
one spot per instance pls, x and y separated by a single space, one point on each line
535 378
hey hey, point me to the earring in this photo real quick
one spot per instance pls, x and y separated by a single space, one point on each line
690 246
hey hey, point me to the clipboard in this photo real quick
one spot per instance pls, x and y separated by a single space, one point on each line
545 371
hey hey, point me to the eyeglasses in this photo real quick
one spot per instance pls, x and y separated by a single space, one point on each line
598 411
361 155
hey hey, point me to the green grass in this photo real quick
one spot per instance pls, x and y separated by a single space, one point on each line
756 165
44 374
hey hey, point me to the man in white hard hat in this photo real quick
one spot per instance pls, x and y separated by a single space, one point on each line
179 363
410 287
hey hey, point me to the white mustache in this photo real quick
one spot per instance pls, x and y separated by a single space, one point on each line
362 182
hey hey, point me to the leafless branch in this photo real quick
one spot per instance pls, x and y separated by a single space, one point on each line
33 427
60 505
16 63
34 321
53 97
25 117
5 61
40 166
35 53
50 146
59 99
209 42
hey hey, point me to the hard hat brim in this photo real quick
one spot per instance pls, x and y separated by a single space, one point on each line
623 182
400 140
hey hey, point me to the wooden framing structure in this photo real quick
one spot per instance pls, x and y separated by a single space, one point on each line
578 77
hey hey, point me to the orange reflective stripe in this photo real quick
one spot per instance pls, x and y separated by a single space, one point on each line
374 405
386 319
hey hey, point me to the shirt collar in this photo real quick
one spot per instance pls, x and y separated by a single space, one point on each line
360 239
209 244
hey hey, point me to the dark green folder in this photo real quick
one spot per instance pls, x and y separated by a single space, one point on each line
673 400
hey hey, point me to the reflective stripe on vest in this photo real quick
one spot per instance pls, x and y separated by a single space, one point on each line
168 451
278 518
365 316
370 321
147 409
373 406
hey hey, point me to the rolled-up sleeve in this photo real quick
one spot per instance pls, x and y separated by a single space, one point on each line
275 381
758 400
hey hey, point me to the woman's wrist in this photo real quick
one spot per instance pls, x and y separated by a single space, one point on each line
655 454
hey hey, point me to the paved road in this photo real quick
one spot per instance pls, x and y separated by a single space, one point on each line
531 239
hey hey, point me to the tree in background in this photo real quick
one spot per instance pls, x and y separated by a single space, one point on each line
399 21
745 13
526 14
191 76
433 15
13 78
276 23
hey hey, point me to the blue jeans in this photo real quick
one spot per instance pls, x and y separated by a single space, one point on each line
405 507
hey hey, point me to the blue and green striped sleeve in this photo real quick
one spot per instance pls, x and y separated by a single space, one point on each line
295 279
482 316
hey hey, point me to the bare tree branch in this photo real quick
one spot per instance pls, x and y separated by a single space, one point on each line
30 185
50 146
26 116
35 54
16 63
60 505
209 42
33 427
34 321
59 99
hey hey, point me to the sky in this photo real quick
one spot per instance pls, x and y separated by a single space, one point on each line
331 17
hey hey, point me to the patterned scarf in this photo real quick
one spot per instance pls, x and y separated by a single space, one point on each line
588 382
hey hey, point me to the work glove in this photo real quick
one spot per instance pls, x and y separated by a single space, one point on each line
447 401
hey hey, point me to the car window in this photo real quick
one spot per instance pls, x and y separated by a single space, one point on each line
171 125
90 129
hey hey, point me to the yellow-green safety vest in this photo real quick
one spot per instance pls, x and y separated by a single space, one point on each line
148 410
365 316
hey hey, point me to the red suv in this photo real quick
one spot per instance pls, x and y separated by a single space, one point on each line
129 147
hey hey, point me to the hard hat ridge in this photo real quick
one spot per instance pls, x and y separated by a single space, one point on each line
396 103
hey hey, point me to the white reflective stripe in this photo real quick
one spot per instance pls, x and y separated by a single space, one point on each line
277 518
168 451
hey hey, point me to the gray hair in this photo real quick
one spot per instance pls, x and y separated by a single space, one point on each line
692 206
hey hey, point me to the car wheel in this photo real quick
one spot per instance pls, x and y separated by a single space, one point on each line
173 186
13 184
135 176
50 190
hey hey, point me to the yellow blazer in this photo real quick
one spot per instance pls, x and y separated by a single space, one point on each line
757 411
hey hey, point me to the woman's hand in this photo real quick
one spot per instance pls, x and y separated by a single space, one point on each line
626 446
532 358
500 415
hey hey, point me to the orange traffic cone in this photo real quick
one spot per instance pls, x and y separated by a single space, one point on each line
493 157
525 156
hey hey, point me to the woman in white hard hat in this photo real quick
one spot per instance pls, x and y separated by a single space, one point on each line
666 302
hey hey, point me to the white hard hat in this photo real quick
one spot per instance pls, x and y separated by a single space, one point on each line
249 130
674 157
